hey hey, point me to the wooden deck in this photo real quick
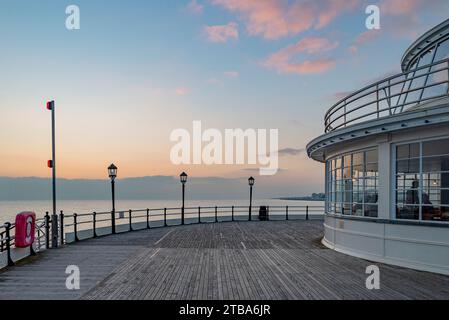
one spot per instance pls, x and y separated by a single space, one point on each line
245 260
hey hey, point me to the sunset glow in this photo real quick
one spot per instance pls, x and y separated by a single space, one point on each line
136 71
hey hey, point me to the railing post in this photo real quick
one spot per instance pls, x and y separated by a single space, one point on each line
32 251
377 100
39 233
61 227
232 212
199 214
94 217
54 231
8 243
47 230
113 231
75 227
344 112
286 213
268 213
165 217
216 214
130 220
307 212
148 219
389 97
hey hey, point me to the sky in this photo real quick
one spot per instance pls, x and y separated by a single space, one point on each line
137 70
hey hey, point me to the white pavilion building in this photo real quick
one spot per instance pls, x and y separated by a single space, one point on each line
386 150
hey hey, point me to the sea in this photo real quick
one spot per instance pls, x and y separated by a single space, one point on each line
9 209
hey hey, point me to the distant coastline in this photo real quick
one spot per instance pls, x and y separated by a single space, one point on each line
139 188
313 197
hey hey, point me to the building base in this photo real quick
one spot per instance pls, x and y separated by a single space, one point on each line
414 246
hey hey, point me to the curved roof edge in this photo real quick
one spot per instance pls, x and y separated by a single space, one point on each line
410 119
423 43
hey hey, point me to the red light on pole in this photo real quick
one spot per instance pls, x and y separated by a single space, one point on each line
50 105
50 164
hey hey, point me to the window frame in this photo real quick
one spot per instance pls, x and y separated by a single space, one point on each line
331 206
393 177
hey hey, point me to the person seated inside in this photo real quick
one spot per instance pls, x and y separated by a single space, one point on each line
412 200
412 196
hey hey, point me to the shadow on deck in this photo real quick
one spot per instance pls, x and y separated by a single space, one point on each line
240 260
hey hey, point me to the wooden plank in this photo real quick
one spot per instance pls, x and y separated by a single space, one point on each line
240 260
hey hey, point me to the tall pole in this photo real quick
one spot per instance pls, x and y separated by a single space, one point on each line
54 218
113 206
53 139
250 201
183 198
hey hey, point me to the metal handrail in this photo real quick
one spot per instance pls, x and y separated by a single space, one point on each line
385 91
219 211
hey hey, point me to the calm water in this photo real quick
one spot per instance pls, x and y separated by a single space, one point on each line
9 209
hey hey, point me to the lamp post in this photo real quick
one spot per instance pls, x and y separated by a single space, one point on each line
251 184
183 178
112 171
52 165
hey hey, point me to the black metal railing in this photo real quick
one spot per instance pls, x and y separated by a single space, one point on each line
390 96
77 227
82 226
8 240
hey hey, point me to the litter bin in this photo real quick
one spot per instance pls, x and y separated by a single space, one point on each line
263 213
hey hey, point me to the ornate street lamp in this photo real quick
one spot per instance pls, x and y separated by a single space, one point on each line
112 171
251 181
183 178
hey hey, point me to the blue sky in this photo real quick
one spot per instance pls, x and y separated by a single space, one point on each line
136 70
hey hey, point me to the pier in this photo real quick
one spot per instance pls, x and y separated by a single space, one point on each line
229 260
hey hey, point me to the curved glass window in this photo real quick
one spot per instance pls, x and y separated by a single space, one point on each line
422 181
426 58
352 184
442 50
430 82
429 57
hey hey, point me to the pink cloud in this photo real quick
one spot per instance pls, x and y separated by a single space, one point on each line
400 7
332 9
400 18
274 19
367 36
403 16
222 33
403 20
309 66
195 7
283 60
363 38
